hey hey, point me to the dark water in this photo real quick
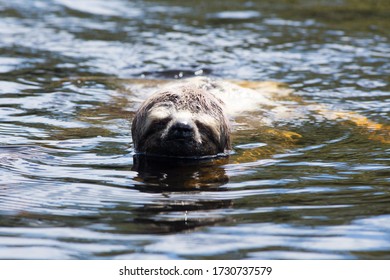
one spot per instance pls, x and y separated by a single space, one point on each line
70 188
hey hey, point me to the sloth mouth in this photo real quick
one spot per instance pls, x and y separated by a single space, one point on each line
182 142
178 140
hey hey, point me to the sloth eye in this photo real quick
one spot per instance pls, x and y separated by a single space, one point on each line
156 126
161 122
205 129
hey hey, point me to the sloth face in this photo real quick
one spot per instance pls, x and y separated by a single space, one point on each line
181 122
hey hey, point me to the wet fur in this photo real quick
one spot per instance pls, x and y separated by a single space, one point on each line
189 103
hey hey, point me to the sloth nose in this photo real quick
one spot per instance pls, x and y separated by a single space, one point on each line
181 130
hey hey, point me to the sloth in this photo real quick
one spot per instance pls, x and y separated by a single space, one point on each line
183 120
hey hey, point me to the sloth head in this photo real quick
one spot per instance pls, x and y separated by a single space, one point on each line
181 121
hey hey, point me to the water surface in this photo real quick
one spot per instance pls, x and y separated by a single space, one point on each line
71 189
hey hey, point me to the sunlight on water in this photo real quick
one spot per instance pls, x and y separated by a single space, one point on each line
317 187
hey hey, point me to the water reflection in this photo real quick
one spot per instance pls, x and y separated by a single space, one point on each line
180 174
68 91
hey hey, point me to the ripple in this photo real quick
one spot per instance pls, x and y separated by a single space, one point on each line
370 84
114 8
234 15
250 146
257 236
7 87
68 185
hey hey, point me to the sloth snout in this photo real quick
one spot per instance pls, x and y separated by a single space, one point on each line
181 131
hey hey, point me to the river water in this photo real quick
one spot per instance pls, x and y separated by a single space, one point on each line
71 189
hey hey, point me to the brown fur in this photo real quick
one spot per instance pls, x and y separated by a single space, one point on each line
184 120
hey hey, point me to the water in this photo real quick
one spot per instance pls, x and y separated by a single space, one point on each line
70 188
